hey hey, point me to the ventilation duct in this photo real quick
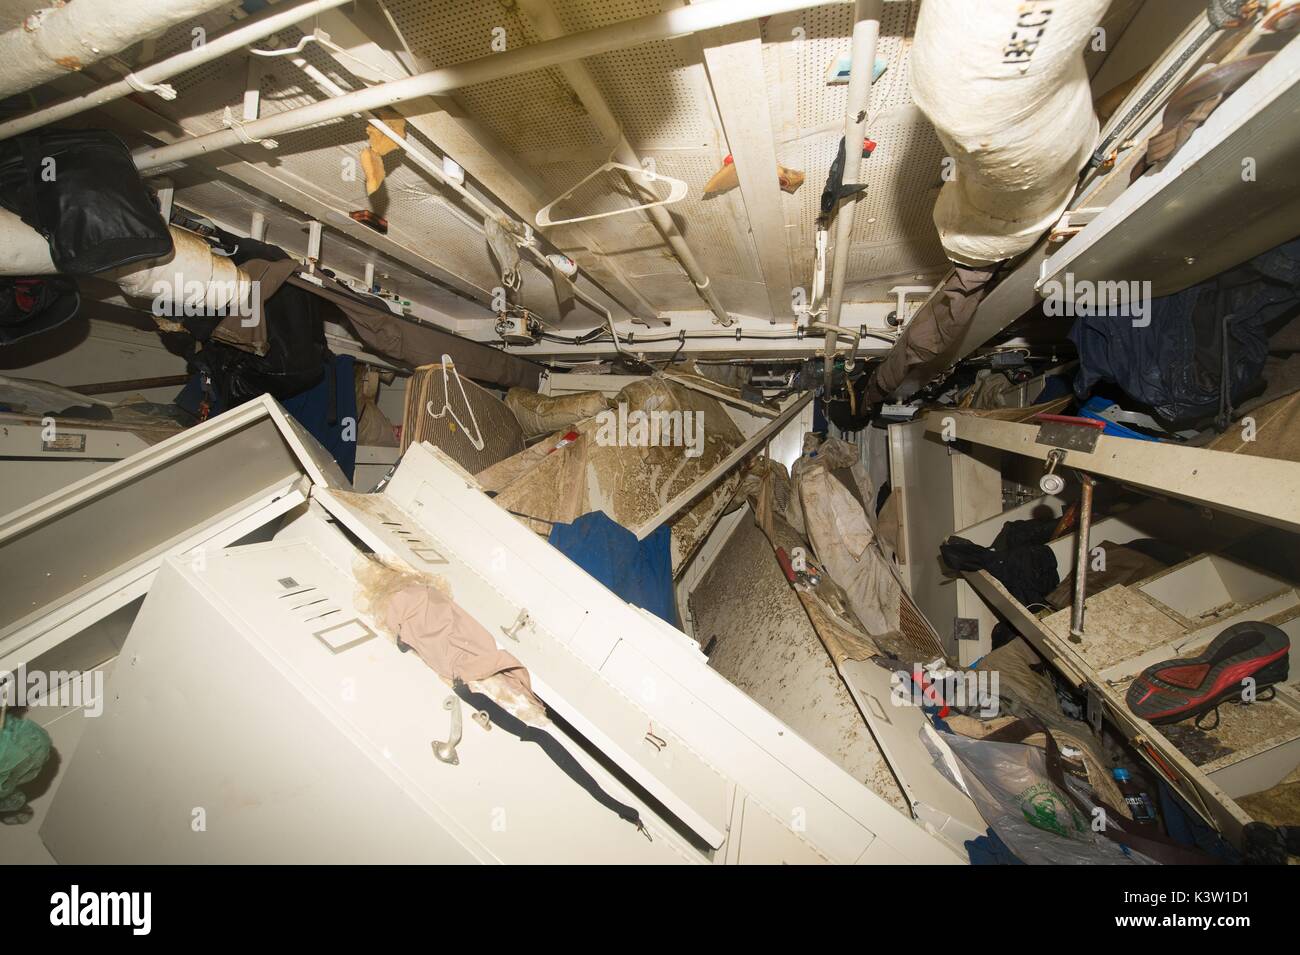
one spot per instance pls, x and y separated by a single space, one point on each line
67 37
191 274
1005 85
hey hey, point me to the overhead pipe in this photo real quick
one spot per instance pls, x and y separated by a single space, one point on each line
23 250
1005 85
154 76
543 19
172 281
866 31
430 164
68 37
677 22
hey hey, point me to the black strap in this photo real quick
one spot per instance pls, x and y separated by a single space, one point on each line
551 746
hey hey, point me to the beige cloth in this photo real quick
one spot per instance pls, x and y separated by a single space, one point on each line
544 484
923 349
379 146
843 538
629 481
541 414
450 641
373 426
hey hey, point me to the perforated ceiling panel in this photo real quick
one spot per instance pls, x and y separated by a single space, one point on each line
661 96
324 160
893 231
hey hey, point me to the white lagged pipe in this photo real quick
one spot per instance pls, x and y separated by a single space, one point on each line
69 37
191 278
23 250
269 21
190 275
1005 85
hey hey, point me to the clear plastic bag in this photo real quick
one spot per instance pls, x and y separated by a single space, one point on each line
1042 825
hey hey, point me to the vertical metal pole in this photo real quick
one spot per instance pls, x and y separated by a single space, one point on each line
1086 484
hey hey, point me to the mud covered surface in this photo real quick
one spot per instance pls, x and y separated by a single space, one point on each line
600 472
759 637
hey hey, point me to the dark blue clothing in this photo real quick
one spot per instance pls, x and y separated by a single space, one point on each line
641 572
331 419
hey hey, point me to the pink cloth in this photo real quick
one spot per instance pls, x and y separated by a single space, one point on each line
450 641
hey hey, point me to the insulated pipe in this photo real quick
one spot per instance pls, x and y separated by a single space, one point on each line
579 77
1005 85
866 30
23 250
659 26
269 21
191 274
190 277
68 37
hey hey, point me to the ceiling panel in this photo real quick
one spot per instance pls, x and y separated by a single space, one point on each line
660 94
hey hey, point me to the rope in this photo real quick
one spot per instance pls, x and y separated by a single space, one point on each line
165 90
228 120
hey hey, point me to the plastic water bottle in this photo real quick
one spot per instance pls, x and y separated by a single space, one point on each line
1140 805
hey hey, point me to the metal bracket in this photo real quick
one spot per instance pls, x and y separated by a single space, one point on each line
965 628
521 621
1065 434
446 752
1051 482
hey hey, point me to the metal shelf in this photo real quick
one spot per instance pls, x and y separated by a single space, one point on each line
1262 489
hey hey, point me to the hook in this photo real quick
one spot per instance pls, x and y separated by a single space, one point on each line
447 751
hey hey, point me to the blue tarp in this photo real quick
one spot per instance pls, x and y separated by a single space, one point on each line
640 572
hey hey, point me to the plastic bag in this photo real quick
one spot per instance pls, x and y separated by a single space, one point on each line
1042 825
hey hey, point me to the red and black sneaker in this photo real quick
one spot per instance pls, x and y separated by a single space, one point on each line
1177 689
